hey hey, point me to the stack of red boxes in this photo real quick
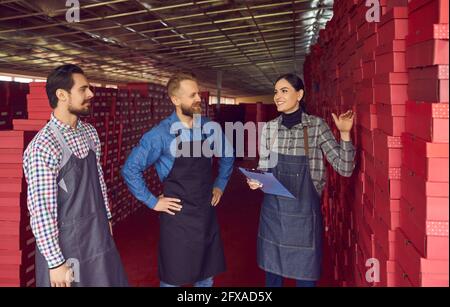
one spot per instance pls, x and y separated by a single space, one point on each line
17 244
422 245
4 110
38 107
395 194
391 83
13 103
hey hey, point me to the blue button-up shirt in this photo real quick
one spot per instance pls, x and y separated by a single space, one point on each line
157 147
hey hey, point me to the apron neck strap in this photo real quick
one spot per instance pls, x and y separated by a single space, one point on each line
306 140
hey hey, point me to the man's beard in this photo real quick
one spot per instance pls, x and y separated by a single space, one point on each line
82 111
194 109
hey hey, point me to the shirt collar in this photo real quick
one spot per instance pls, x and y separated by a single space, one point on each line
60 125
173 118
306 121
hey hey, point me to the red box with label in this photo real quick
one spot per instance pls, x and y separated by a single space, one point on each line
429 160
387 149
388 178
428 32
420 222
428 90
411 259
429 84
428 121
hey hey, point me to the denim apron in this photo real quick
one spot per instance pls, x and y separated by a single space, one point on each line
290 230
190 245
84 235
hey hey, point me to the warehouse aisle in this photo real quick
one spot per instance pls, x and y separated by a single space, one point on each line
137 239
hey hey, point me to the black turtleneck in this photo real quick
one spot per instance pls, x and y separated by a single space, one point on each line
292 119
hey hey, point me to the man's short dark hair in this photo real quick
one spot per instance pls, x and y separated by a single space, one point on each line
61 78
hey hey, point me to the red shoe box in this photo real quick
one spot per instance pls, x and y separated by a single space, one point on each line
369 65
428 160
17 275
387 187
28 125
11 199
384 235
419 223
366 140
17 256
387 203
11 170
391 118
382 258
11 155
422 189
423 14
428 53
429 84
391 94
15 139
365 95
391 57
365 237
373 39
428 32
411 260
397 277
392 78
367 116
428 121
39 115
393 25
388 149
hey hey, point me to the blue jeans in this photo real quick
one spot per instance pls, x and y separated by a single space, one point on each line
206 283
274 280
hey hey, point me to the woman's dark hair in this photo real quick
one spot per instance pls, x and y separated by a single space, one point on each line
60 78
297 84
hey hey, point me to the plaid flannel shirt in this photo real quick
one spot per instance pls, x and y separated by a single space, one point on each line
41 167
279 139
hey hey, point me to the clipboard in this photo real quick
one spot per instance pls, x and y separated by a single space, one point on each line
271 185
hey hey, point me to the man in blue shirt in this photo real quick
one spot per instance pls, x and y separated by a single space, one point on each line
190 247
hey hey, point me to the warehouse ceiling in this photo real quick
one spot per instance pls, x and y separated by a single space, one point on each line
250 42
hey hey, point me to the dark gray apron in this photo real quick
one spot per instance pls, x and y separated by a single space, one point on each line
84 234
190 246
290 230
